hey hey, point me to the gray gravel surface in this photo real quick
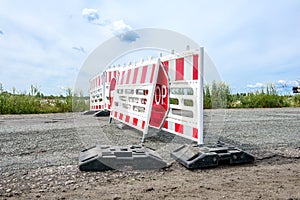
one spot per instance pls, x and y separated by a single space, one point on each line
39 153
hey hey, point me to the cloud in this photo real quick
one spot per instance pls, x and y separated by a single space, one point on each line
129 36
1 32
118 27
288 83
90 14
123 31
80 49
256 85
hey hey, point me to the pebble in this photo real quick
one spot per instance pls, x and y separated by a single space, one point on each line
69 182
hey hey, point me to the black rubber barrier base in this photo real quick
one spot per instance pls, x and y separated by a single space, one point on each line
136 157
89 112
102 113
195 157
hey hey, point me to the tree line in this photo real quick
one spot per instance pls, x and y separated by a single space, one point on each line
218 95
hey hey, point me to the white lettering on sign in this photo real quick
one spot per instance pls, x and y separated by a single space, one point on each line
160 94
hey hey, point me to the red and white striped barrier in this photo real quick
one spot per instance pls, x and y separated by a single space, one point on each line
164 93
96 92
186 95
133 95
101 91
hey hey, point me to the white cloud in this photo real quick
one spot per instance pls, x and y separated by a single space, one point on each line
80 49
123 31
256 85
90 14
118 27
288 83
283 82
1 32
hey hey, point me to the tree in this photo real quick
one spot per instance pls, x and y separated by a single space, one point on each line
1 88
207 97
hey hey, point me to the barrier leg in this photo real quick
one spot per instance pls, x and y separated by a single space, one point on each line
106 157
195 157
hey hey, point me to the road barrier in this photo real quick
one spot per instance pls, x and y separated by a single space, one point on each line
164 93
101 87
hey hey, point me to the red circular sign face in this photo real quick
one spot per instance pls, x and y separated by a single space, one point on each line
111 90
160 103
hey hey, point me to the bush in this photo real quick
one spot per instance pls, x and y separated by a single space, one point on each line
29 104
296 100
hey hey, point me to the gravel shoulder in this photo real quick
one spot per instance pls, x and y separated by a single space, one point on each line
39 156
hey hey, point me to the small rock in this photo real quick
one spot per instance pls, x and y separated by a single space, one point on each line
149 189
69 182
9 195
8 190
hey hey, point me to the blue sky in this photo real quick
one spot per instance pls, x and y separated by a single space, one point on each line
45 43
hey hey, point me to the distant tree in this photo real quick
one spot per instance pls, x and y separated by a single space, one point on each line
207 97
1 88
220 94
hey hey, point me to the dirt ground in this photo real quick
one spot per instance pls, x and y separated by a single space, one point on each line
39 158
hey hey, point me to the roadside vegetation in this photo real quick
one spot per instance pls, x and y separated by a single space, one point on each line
35 102
217 95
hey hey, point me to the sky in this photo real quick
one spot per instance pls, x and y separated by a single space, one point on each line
45 43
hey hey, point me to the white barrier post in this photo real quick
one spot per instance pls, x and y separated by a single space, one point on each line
200 95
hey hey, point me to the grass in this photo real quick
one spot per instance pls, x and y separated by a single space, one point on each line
38 103
217 95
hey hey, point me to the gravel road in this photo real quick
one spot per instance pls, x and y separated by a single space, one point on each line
39 157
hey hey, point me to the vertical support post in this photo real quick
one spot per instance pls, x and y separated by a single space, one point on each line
103 88
149 107
110 120
200 95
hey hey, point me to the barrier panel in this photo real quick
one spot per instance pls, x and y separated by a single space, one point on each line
185 117
168 97
101 90
96 92
134 93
